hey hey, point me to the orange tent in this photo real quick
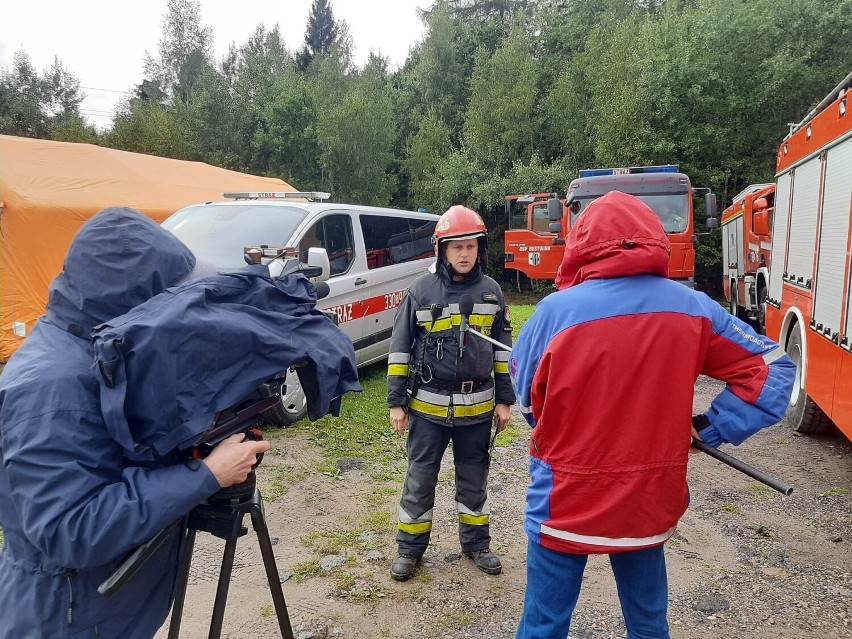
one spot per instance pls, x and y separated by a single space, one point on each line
49 189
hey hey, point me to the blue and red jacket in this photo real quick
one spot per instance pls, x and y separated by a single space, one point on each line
605 371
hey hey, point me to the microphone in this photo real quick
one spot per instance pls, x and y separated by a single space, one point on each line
465 309
322 289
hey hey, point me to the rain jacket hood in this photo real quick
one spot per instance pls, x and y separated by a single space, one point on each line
118 259
618 235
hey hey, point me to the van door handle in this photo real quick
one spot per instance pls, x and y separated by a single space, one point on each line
360 281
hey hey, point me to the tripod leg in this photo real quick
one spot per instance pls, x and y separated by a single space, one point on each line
222 588
258 520
180 586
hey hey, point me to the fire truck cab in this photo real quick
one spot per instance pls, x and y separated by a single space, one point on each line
536 252
747 251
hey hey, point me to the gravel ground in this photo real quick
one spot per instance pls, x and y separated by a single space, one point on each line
746 562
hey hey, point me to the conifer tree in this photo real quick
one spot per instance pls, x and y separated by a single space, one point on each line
320 35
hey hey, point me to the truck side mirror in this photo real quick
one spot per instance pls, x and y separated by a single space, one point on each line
554 210
711 223
710 205
760 222
555 227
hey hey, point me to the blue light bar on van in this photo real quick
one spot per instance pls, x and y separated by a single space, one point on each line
666 168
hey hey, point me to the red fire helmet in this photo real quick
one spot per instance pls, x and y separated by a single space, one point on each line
459 223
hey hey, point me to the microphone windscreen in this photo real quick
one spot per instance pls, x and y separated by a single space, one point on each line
322 290
466 304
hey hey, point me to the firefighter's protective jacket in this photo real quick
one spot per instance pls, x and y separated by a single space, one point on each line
605 371
426 372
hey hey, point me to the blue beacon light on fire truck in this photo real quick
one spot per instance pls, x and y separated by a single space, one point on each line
667 168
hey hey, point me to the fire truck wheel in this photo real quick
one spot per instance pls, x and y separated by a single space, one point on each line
761 311
803 415
293 405
737 310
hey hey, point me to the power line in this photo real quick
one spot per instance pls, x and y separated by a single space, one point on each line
107 90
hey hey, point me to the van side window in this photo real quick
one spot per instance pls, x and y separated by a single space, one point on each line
395 240
334 234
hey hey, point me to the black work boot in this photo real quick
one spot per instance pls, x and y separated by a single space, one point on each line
486 561
403 566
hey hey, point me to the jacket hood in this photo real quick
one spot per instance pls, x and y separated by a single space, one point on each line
118 259
618 235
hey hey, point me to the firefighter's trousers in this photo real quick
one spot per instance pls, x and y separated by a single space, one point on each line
426 444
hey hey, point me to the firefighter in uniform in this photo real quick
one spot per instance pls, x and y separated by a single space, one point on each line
446 385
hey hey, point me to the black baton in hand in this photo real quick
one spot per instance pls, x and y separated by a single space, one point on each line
751 471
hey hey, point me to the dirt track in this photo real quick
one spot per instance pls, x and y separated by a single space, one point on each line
746 561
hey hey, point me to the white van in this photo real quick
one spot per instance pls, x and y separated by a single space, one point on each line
373 254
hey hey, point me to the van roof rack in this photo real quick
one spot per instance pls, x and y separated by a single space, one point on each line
278 195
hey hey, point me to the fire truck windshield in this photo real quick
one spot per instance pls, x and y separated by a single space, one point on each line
671 208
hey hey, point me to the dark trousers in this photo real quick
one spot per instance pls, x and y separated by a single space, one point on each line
426 444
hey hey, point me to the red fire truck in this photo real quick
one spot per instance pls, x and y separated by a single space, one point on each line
809 303
746 252
535 237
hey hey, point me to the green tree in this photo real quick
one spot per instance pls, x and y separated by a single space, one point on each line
502 121
356 138
320 35
184 51
440 76
426 149
42 105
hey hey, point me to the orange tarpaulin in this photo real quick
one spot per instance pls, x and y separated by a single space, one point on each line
49 189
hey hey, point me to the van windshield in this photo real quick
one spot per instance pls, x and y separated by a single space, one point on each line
222 233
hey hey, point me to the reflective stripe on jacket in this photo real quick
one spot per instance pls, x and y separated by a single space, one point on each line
425 350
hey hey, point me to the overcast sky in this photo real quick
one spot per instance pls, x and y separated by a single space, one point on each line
104 42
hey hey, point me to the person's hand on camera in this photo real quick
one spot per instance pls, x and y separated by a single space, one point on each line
232 460
399 419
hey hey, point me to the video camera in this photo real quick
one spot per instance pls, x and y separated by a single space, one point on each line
242 417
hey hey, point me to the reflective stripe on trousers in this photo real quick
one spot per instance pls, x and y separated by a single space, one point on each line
426 444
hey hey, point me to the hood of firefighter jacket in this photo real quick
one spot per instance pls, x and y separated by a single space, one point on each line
618 235
118 259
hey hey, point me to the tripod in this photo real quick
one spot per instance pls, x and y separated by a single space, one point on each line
225 520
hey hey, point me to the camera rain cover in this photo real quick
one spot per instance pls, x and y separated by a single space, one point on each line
168 366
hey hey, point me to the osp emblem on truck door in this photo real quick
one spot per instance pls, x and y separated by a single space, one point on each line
534 258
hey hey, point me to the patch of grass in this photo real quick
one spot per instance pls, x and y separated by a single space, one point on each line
459 620
520 313
344 581
761 492
732 508
363 428
267 611
511 434
379 494
332 543
834 492
381 521
309 539
305 569
422 577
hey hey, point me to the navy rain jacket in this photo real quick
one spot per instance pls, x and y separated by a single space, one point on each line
171 364
71 505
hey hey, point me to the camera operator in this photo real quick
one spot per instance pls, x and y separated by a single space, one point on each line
72 505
